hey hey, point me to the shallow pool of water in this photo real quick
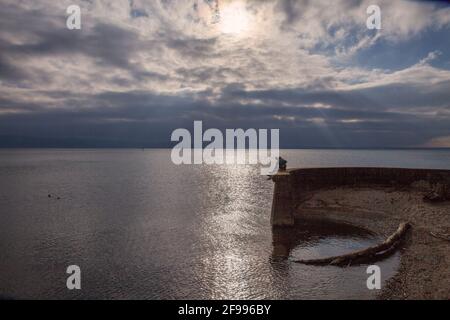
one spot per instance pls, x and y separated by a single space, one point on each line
313 239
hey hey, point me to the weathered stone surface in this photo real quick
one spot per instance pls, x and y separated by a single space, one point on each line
295 185
282 205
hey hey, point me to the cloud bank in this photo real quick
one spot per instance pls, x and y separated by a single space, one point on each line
137 70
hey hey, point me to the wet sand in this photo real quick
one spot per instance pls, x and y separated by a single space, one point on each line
424 271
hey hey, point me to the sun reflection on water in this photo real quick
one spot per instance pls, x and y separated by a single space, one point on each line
231 227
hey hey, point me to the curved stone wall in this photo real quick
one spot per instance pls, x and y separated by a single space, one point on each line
291 186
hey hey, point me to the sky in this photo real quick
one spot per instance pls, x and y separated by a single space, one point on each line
137 70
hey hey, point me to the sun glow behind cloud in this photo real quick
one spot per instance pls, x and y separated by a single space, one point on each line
228 18
235 19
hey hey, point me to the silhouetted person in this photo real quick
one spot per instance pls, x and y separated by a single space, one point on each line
282 164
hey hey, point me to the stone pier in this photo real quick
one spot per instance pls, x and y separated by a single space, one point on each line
295 185
282 204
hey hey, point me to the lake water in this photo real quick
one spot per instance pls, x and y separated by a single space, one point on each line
142 228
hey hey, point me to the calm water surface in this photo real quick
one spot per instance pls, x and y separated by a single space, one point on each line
141 227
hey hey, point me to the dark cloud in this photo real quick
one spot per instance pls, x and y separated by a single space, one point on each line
373 98
192 47
107 45
9 71
138 119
